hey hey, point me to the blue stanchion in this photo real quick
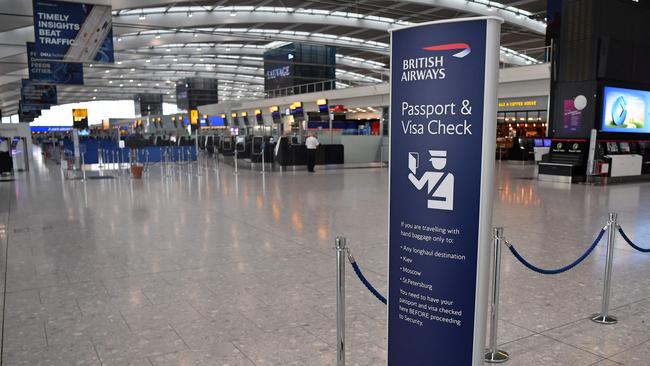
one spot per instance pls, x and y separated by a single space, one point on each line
559 270
630 243
368 285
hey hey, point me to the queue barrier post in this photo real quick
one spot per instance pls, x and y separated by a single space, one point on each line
604 317
120 157
83 162
263 162
341 254
493 354
236 167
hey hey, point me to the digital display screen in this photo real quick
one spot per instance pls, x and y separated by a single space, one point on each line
216 121
626 110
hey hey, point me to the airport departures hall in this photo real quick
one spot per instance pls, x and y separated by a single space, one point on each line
324 183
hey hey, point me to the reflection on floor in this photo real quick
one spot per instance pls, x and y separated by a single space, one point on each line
223 269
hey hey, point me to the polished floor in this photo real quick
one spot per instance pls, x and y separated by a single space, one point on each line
222 269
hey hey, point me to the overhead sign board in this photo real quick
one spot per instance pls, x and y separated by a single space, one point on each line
443 123
73 32
53 72
36 96
80 118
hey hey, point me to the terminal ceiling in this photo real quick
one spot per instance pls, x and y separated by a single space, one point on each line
158 42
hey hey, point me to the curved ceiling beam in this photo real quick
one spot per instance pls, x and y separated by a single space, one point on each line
170 20
512 15
132 41
201 59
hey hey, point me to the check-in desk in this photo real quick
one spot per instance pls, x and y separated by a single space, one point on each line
296 154
625 165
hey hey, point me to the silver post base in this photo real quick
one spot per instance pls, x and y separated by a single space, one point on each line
496 357
604 319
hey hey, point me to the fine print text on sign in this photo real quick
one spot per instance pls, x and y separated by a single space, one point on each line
442 135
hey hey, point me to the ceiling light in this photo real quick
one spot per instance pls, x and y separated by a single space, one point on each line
233 14
131 80
168 92
168 49
227 49
110 81
196 34
199 49
175 59
142 16
168 81
121 85
147 60
132 69
95 90
139 84
91 65
201 59
157 36
107 71
157 84
121 76
119 62
189 14
119 39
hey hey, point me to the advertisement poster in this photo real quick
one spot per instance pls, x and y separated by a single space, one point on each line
70 73
37 96
572 121
443 123
72 32
626 110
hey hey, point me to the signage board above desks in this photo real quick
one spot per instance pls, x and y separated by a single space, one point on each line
523 104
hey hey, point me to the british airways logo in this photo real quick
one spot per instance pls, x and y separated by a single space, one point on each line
432 67
464 48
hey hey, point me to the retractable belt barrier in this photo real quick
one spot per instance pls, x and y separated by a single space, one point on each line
492 354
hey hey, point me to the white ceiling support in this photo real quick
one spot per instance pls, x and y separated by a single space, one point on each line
511 15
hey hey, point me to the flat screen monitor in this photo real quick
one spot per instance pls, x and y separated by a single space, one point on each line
547 142
539 142
216 121
625 110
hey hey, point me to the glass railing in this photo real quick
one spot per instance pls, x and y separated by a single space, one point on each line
323 86
527 57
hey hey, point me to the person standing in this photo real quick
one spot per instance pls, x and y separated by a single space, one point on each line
312 144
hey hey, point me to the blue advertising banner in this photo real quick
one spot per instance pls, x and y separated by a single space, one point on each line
71 73
443 135
35 97
73 32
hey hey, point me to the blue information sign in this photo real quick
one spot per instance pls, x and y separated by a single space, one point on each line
443 133
53 72
73 32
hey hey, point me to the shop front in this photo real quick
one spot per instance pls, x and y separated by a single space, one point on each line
522 125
